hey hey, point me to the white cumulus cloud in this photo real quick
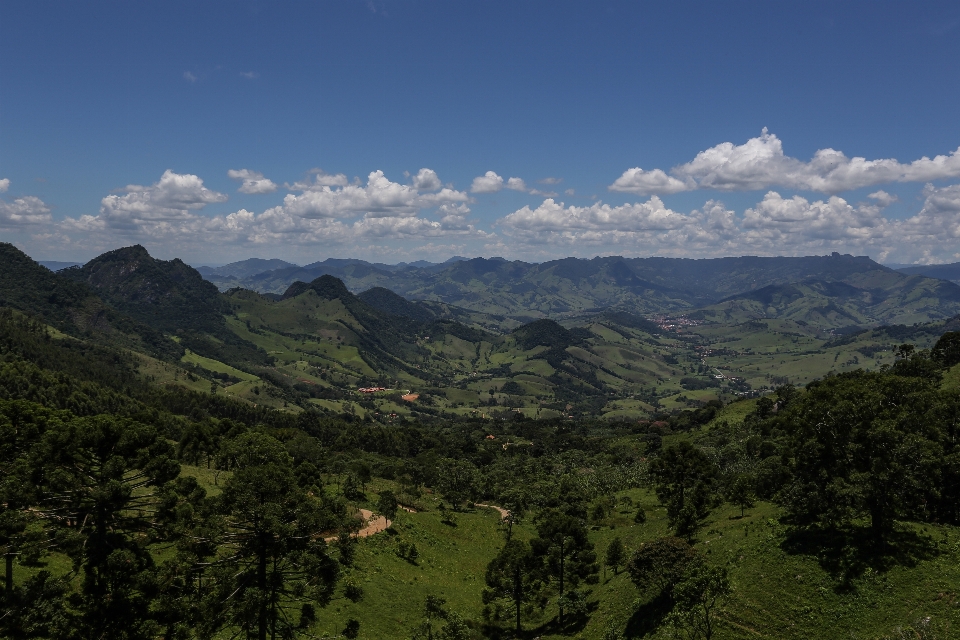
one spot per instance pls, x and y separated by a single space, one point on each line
253 181
380 197
760 163
489 182
779 221
516 184
644 183
4 185
28 210
426 180
161 208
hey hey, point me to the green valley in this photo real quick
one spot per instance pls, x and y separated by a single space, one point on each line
625 449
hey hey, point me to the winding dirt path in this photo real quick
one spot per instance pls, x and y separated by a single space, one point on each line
503 512
375 524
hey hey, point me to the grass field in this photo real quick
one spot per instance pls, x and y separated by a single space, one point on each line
780 590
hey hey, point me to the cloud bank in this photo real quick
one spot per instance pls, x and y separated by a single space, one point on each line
168 212
777 225
325 211
760 163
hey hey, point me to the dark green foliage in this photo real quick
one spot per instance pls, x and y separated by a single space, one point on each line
562 547
625 319
640 517
546 333
396 305
915 364
457 481
105 473
72 307
169 296
615 555
696 599
513 388
683 477
741 492
387 504
660 565
270 561
512 577
90 379
862 449
696 384
29 287
946 352
352 628
440 623
38 609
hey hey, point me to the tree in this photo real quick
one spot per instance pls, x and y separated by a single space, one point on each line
615 554
21 425
515 501
683 477
387 504
197 444
456 481
862 448
946 352
696 599
511 576
741 492
440 623
564 552
103 476
662 564
270 561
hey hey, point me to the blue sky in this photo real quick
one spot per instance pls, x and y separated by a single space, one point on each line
360 129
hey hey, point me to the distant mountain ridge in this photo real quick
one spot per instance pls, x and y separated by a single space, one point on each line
943 271
573 286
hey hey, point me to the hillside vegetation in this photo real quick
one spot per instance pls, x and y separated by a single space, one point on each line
180 462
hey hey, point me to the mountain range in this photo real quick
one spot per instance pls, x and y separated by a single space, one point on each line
571 286
608 336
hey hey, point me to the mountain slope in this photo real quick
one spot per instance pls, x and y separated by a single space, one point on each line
169 296
71 306
829 305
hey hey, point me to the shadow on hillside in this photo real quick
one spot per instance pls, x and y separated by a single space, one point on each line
648 617
847 553
572 624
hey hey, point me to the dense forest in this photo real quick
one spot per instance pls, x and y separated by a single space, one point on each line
133 509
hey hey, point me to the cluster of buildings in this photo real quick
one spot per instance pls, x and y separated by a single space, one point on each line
670 323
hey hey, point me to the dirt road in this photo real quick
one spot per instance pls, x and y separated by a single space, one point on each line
503 512
374 524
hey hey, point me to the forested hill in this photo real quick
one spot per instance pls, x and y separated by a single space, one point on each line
169 296
72 307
